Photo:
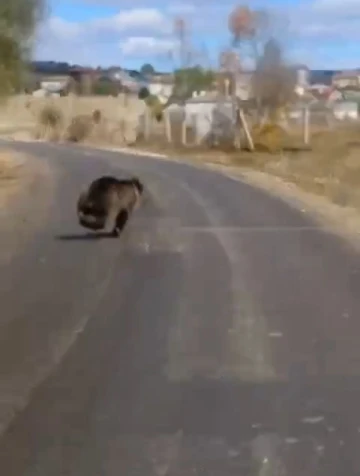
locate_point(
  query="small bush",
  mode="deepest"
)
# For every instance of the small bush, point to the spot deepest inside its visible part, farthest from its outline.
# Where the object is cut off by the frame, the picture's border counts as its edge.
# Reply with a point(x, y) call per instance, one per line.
point(106, 88)
point(79, 129)
point(97, 116)
point(50, 121)
point(50, 116)
point(155, 106)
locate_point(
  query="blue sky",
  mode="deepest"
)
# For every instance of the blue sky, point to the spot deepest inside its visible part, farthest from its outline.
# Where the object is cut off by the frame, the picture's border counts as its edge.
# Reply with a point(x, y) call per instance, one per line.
point(319, 33)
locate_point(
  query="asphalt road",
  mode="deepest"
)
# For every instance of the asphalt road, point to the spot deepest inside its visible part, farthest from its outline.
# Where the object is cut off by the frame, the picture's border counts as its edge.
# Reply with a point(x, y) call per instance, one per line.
point(218, 336)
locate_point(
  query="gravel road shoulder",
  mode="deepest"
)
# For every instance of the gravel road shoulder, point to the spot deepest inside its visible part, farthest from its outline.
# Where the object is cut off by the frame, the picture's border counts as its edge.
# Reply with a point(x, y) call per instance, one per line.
point(343, 221)
point(26, 186)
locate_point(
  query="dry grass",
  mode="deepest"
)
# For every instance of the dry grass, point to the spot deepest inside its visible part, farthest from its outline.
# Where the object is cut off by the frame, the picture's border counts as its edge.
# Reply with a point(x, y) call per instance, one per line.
point(53, 118)
point(12, 176)
point(10, 166)
point(329, 167)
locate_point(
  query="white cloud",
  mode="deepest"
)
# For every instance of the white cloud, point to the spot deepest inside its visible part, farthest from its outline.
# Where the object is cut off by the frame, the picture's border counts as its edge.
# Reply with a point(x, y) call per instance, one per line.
point(339, 31)
point(132, 21)
point(326, 20)
point(104, 39)
point(142, 46)
point(61, 40)
point(62, 29)
point(147, 31)
point(135, 33)
point(137, 19)
point(337, 7)
point(181, 8)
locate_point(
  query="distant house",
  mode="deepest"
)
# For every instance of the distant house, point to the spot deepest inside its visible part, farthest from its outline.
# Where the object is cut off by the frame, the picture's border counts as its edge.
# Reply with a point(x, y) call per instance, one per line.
point(302, 78)
point(242, 81)
point(209, 113)
point(83, 80)
point(335, 95)
point(161, 85)
point(351, 95)
point(322, 76)
point(78, 80)
point(131, 81)
point(302, 75)
point(55, 83)
point(346, 110)
point(243, 86)
point(319, 90)
point(324, 92)
point(347, 79)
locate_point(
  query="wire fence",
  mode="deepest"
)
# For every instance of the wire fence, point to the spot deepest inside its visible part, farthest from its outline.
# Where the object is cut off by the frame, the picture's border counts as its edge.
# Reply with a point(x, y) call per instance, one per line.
point(212, 123)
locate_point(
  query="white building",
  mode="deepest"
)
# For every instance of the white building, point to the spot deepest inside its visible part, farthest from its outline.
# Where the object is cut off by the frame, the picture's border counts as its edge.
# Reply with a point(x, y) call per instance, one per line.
point(161, 86)
point(346, 110)
point(206, 114)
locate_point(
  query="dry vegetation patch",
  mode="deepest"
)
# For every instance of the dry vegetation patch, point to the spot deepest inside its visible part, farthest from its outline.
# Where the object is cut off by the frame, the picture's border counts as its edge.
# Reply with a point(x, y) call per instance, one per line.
point(94, 119)
point(26, 190)
point(329, 166)
point(14, 179)
point(11, 167)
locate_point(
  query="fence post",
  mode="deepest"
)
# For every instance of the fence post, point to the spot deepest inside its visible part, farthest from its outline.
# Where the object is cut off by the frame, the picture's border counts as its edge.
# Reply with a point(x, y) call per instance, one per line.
point(183, 132)
point(167, 122)
point(246, 129)
point(306, 128)
point(125, 100)
point(147, 123)
point(237, 122)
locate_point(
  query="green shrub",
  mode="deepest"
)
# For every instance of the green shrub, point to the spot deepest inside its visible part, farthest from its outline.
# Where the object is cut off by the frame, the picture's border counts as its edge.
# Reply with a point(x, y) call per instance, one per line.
point(143, 93)
point(105, 88)
point(155, 106)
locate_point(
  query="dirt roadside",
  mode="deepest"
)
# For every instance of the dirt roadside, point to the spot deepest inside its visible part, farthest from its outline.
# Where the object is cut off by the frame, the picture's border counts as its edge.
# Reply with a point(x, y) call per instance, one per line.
point(26, 185)
point(344, 221)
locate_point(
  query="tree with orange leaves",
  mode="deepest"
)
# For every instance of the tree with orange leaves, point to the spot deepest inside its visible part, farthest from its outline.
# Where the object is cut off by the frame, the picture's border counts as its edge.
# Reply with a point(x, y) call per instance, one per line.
point(273, 81)
point(246, 25)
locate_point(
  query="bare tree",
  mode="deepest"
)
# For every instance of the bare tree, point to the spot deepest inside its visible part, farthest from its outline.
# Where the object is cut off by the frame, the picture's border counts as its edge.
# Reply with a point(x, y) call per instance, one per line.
point(230, 66)
point(254, 33)
point(273, 81)
point(229, 61)
point(180, 34)
point(189, 73)
point(182, 37)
